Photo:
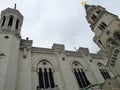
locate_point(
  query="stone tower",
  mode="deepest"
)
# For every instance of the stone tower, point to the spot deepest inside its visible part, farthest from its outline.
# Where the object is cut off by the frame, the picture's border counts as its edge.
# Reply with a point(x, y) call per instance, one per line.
point(10, 26)
point(105, 25)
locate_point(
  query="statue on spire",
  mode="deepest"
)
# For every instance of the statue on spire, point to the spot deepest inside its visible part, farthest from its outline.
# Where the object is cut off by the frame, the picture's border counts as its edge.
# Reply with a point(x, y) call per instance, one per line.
point(83, 3)
point(15, 6)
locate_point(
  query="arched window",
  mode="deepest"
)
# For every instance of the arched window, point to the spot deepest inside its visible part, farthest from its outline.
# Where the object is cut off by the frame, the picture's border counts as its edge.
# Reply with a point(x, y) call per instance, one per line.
point(80, 75)
point(45, 75)
point(103, 71)
point(102, 26)
point(17, 24)
point(4, 19)
point(98, 11)
point(10, 21)
point(93, 17)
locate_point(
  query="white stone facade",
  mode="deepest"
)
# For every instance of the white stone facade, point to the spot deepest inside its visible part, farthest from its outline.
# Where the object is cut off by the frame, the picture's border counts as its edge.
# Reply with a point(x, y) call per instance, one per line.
point(21, 64)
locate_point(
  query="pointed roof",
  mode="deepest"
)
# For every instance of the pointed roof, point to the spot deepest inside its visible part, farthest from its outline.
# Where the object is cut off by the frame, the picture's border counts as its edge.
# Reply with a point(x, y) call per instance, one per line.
point(86, 6)
point(89, 7)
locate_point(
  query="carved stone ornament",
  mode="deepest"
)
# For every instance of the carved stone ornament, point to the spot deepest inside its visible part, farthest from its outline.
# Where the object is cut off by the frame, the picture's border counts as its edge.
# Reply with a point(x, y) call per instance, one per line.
point(14, 33)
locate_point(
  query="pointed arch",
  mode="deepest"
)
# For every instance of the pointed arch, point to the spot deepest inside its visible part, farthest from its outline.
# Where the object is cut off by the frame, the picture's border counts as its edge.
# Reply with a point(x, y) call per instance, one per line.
point(80, 74)
point(103, 70)
point(45, 74)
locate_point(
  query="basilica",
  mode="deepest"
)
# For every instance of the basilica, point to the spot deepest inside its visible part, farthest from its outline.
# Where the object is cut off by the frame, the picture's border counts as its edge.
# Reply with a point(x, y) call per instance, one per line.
point(24, 67)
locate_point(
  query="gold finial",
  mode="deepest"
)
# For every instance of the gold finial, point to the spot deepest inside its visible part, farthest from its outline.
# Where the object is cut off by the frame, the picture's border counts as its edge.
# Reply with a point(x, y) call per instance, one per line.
point(15, 6)
point(83, 3)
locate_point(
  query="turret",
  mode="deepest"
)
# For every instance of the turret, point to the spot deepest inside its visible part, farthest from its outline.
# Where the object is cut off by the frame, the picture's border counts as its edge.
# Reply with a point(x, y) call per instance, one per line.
point(11, 19)
point(10, 27)
point(105, 25)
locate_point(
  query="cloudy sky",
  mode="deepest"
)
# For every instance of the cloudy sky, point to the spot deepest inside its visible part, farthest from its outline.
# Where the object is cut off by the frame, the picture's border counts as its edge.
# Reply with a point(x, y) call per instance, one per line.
point(58, 21)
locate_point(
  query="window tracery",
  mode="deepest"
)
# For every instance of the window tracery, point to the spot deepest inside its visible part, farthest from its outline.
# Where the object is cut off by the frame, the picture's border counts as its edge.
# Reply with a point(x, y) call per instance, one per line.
point(80, 75)
point(45, 75)
point(103, 71)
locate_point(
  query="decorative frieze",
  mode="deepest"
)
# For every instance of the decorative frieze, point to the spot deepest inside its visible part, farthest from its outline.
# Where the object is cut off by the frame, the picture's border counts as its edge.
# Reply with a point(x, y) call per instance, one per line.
point(25, 44)
point(42, 50)
point(10, 32)
point(73, 53)
point(96, 56)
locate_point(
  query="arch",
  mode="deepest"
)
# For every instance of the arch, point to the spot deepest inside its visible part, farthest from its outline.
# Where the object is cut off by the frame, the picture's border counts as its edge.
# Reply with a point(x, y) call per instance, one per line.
point(45, 74)
point(100, 65)
point(76, 64)
point(17, 24)
point(3, 22)
point(38, 60)
point(103, 70)
point(44, 64)
point(10, 20)
point(80, 74)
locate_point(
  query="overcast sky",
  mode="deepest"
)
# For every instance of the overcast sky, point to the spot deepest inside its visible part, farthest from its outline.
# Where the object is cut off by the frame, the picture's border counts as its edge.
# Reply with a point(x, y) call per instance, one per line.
point(58, 21)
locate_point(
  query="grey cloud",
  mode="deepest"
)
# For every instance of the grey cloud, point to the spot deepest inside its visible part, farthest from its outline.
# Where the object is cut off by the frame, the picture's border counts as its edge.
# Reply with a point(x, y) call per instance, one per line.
point(58, 21)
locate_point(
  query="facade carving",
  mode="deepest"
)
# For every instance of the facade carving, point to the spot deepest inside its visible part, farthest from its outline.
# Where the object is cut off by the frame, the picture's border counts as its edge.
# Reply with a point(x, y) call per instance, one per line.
point(8, 32)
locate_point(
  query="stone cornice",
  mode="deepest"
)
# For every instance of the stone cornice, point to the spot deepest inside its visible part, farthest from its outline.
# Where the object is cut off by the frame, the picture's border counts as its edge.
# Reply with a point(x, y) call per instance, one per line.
point(25, 44)
point(42, 50)
point(12, 11)
point(73, 53)
point(10, 32)
point(83, 52)
point(96, 56)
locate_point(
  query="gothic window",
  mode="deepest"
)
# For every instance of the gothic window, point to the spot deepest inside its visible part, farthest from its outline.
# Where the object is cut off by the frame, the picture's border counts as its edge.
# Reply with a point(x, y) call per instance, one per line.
point(17, 24)
point(10, 21)
point(102, 26)
point(80, 75)
point(98, 11)
point(4, 19)
point(117, 35)
point(93, 17)
point(103, 71)
point(45, 75)
point(100, 43)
